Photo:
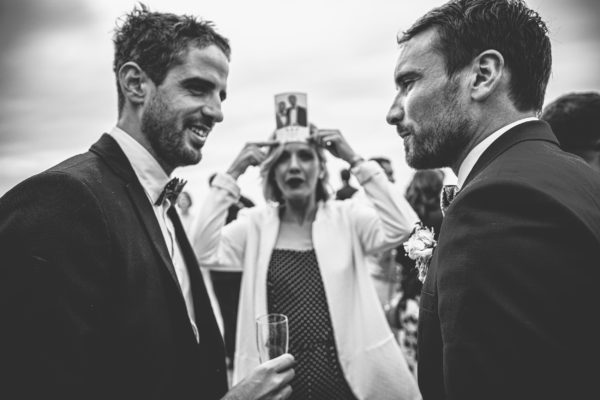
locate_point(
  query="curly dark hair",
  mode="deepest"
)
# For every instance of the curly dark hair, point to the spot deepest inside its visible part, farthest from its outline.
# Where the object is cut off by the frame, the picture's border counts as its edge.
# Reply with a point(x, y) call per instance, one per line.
point(468, 27)
point(158, 41)
point(423, 193)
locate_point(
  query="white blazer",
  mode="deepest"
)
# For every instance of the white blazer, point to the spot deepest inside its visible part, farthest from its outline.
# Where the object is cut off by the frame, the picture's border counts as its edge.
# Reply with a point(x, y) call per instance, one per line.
point(344, 232)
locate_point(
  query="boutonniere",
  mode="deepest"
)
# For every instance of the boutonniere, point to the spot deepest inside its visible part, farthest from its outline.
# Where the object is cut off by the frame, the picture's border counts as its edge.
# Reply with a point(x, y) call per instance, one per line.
point(419, 247)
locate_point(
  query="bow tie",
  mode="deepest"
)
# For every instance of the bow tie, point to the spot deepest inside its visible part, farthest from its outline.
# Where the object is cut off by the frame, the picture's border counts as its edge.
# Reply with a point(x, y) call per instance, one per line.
point(171, 191)
point(448, 194)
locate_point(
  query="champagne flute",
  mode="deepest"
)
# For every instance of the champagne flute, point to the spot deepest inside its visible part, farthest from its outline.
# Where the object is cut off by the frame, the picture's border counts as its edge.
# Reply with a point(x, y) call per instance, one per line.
point(271, 336)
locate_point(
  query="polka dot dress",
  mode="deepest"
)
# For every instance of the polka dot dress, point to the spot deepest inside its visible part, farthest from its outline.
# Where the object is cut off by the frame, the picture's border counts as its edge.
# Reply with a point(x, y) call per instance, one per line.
point(295, 288)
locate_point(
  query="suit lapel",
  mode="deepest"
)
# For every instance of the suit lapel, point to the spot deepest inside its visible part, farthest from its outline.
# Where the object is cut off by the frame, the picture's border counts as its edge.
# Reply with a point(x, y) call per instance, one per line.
point(210, 353)
point(108, 149)
point(533, 130)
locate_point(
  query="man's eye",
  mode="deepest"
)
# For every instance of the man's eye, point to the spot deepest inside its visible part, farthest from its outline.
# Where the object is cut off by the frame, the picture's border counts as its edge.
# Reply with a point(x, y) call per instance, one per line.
point(197, 89)
point(407, 84)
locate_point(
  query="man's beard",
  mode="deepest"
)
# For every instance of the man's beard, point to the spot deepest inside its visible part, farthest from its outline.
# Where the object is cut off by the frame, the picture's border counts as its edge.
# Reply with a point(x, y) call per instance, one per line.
point(441, 140)
point(159, 124)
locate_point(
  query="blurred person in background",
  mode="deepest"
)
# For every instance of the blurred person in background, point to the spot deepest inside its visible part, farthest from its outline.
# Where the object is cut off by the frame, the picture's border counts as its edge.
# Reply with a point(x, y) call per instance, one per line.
point(347, 190)
point(384, 269)
point(423, 194)
point(386, 165)
point(575, 120)
point(184, 205)
point(304, 255)
point(234, 209)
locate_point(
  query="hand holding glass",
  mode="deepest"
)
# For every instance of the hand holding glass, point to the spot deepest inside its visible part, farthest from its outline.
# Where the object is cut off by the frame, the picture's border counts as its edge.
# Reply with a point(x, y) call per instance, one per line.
point(271, 336)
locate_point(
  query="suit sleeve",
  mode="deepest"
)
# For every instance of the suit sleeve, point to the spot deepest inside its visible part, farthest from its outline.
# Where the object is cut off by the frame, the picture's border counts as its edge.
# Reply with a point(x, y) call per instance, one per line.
point(54, 278)
point(385, 219)
point(507, 250)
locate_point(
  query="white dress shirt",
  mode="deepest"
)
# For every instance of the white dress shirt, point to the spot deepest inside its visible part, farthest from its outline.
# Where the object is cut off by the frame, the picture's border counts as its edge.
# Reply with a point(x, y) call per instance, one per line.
point(153, 179)
point(293, 116)
point(474, 155)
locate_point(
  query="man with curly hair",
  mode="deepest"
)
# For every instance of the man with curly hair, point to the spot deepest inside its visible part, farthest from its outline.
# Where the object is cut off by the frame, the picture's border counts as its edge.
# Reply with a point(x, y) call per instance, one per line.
point(102, 296)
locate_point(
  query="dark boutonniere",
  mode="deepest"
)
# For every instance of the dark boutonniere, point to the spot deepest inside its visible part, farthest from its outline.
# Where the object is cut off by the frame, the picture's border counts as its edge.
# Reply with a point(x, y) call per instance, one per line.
point(419, 247)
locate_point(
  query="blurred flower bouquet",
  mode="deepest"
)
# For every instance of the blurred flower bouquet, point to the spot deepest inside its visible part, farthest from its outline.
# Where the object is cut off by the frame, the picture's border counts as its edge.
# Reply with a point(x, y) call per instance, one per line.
point(419, 247)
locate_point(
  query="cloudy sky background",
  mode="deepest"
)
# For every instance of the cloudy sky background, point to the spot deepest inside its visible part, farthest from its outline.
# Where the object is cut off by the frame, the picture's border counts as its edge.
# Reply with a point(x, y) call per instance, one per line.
point(57, 90)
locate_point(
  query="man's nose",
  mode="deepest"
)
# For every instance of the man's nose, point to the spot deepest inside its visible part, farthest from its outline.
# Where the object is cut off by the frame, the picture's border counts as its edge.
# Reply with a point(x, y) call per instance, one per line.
point(213, 110)
point(395, 114)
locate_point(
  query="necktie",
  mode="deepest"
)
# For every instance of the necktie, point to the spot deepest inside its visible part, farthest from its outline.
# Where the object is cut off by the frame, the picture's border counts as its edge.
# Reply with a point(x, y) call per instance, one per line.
point(171, 191)
point(212, 374)
point(448, 194)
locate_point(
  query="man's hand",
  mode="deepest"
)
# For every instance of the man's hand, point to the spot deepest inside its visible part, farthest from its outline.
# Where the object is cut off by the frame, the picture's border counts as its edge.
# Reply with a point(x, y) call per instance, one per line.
point(251, 154)
point(269, 381)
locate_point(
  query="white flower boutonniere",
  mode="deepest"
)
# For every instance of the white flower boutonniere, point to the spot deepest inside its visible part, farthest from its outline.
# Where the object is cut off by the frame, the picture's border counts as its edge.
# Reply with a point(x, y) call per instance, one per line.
point(419, 247)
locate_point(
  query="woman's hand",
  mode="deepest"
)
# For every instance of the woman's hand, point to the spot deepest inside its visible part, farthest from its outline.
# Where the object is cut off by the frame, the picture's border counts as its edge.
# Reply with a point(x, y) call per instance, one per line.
point(251, 154)
point(334, 141)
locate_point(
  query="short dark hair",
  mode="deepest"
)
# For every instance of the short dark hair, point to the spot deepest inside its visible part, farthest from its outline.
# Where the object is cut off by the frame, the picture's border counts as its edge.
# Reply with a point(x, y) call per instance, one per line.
point(158, 41)
point(345, 175)
point(468, 27)
point(575, 119)
point(423, 191)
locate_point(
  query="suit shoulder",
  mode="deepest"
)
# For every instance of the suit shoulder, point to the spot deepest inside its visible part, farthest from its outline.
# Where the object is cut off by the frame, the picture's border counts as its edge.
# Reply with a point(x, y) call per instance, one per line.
point(544, 167)
point(86, 167)
point(506, 198)
point(64, 189)
point(54, 208)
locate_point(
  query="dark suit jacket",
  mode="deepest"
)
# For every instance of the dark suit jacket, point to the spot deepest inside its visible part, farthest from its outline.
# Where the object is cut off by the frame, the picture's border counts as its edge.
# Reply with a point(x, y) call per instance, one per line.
point(509, 308)
point(91, 306)
point(300, 116)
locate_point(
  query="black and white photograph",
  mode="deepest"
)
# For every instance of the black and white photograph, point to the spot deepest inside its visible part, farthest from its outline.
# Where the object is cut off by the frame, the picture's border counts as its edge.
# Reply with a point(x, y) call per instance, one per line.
point(291, 110)
point(175, 223)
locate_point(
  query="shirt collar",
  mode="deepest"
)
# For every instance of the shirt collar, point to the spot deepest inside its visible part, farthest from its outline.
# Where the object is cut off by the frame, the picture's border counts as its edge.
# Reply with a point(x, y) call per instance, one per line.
point(469, 162)
point(148, 171)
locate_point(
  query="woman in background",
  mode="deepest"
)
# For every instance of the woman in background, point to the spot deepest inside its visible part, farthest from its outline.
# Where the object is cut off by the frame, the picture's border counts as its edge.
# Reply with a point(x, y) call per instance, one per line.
point(303, 255)
point(423, 194)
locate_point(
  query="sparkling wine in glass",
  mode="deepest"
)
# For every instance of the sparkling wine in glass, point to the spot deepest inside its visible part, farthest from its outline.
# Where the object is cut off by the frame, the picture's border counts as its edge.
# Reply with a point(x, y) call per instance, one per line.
point(271, 336)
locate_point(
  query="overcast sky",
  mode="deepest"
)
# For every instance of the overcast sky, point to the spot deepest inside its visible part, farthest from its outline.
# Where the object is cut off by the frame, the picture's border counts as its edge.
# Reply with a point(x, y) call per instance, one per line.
point(57, 90)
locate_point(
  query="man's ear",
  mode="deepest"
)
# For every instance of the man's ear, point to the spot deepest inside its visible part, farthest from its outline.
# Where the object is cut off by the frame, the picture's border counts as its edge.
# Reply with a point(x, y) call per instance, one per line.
point(134, 83)
point(487, 73)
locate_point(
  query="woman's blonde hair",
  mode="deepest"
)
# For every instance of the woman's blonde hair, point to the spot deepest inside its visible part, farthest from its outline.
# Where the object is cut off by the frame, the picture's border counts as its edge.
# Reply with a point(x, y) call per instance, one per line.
point(272, 192)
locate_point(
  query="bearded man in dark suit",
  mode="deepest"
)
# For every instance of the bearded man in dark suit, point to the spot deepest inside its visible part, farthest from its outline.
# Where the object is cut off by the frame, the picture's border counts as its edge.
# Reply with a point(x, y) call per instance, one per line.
point(102, 297)
point(509, 302)
point(296, 114)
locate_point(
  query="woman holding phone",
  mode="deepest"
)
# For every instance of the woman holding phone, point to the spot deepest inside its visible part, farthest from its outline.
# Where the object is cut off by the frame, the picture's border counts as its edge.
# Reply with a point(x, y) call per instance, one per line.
point(303, 255)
